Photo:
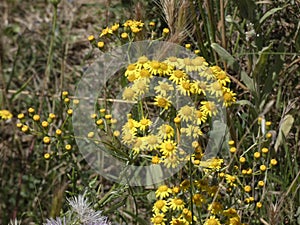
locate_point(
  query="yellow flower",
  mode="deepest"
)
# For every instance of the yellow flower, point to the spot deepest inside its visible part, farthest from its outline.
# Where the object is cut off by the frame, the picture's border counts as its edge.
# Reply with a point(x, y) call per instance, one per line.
point(199, 87)
point(162, 102)
point(168, 147)
point(155, 159)
point(106, 31)
point(5, 114)
point(152, 141)
point(19, 125)
point(247, 188)
point(139, 145)
point(263, 168)
point(100, 44)
point(46, 140)
point(273, 162)
point(184, 87)
point(160, 206)
point(212, 221)
point(209, 108)
point(216, 88)
point(215, 207)
point(115, 27)
point(158, 219)
point(25, 128)
point(232, 149)
point(65, 93)
point(198, 199)
point(140, 86)
point(187, 113)
point(176, 204)
point(70, 111)
point(230, 179)
point(52, 116)
point(128, 94)
point(128, 137)
point(213, 163)
point(163, 191)
point(91, 37)
point(153, 67)
point(259, 205)
point(31, 110)
point(68, 147)
point(144, 123)
point(256, 155)
point(177, 76)
point(242, 159)
point(66, 100)
point(166, 31)
point(264, 150)
point(45, 124)
point(152, 24)
point(58, 132)
point(228, 97)
point(36, 117)
point(163, 88)
point(21, 116)
point(47, 156)
point(124, 35)
point(261, 183)
point(116, 133)
point(192, 131)
point(235, 220)
point(268, 135)
point(171, 161)
point(222, 77)
point(91, 134)
point(165, 131)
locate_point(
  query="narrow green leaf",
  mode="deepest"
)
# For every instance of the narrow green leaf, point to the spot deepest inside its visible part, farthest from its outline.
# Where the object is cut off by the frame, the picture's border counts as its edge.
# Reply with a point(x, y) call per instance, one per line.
point(261, 61)
point(284, 129)
point(225, 55)
point(268, 14)
point(248, 81)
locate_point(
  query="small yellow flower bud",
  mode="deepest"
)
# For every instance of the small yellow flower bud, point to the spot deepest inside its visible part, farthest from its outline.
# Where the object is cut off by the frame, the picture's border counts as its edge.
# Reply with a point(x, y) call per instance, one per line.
point(257, 155)
point(247, 188)
point(231, 142)
point(249, 171)
point(68, 147)
point(273, 162)
point(47, 156)
point(45, 124)
point(19, 125)
point(242, 159)
point(100, 44)
point(124, 35)
point(155, 159)
point(94, 115)
point(65, 93)
point(52, 115)
point(21, 116)
point(91, 37)
point(152, 24)
point(31, 110)
point(261, 183)
point(91, 134)
point(188, 46)
point(116, 133)
point(70, 111)
point(264, 150)
point(263, 168)
point(268, 135)
point(259, 205)
point(108, 116)
point(36, 117)
point(268, 123)
point(46, 140)
point(197, 51)
point(166, 31)
point(66, 100)
point(177, 120)
point(58, 132)
point(232, 149)
point(25, 128)
point(75, 101)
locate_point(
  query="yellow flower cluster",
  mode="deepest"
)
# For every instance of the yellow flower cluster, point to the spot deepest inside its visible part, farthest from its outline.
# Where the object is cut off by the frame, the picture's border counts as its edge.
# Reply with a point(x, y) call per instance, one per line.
point(50, 130)
point(5, 114)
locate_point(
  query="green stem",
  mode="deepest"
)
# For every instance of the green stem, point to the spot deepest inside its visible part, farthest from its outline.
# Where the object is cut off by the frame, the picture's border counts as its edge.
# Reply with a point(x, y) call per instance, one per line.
point(49, 58)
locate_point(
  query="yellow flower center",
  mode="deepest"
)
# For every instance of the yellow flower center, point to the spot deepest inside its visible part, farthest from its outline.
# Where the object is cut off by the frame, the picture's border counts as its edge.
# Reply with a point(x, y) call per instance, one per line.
point(169, 147)
point(144, 122)
point(186, 85)
point(162, 102)
point(187, 61)
point(178, 74)
point(221, 75)
point(160, 204)
point(198, 61)
point(217, 86)
point(131, 67)
point(173, 59)
point(163, 188)
point(155, 65)
point(158, 219)
point(227, 96)
point(167, 129)
point(163, 66)
point(210, 106)
point(143, 59)
point(145, 73)
point(178, 201)
point(152, 140)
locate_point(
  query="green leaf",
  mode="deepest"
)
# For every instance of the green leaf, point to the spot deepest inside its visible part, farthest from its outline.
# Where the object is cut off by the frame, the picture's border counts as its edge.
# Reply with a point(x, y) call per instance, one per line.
point(225, 55)
point(248, 81)
point(284, 129)
point(268, 14)
point(261, 61)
